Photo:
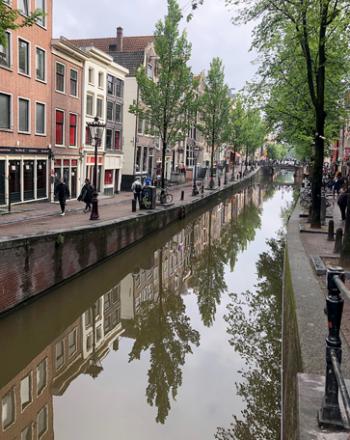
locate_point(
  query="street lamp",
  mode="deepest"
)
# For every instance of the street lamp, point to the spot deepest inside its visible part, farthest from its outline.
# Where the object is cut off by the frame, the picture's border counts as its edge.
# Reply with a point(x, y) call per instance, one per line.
point(96, 132)
point(195, 191)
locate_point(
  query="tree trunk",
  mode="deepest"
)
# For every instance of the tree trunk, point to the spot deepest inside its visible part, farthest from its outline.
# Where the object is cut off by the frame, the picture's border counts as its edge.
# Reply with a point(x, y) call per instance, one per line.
point(162, 193)
point(345, 250)
point(211, 184)
point(316, 185)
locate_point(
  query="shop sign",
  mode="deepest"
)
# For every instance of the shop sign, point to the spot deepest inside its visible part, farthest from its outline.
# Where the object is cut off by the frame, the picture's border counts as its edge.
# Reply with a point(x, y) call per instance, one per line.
point(29, 150)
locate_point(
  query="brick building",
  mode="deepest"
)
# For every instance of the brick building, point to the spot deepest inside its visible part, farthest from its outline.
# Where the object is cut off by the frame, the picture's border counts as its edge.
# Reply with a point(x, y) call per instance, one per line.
point(25, 107)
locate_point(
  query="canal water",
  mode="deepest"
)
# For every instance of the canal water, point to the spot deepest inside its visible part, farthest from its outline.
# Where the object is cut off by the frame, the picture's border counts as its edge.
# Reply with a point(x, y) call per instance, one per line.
point(176, 338)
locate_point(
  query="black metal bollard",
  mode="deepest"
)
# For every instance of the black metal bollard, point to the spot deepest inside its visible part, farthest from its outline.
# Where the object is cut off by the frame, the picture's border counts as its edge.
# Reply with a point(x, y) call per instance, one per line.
point(133, 205)
point(338, 241)
point(202, 189)
point(182, 195)
point(331, 230)
point(329, 414)
point(219, 181)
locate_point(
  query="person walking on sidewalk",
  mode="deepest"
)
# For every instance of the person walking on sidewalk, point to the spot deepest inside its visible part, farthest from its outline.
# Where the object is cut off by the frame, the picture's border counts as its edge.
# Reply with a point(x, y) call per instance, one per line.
point(136, 188)
point(86, 195)
point(62, 193)
point(342, 203)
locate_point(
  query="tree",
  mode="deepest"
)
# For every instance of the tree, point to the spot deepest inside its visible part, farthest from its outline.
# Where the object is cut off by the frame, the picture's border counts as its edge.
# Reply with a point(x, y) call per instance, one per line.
point(168, 101)
point(276, 151)
point(253, 132)
point(11, 19)
point(214, 107)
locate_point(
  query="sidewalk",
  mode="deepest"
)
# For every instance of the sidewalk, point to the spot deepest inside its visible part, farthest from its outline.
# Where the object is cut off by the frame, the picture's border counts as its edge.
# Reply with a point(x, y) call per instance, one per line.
point(31, 219)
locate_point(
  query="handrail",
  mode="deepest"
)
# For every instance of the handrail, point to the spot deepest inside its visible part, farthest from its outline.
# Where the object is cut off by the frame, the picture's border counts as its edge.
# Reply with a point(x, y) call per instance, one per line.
point(330, 414)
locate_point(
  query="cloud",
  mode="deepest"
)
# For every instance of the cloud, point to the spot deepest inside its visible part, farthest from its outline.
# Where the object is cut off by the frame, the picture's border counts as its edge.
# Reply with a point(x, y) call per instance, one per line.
point(210, 31)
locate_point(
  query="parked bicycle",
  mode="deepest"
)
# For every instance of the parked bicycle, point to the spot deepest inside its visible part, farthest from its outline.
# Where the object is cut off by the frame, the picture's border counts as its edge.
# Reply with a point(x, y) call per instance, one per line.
point(165, 195)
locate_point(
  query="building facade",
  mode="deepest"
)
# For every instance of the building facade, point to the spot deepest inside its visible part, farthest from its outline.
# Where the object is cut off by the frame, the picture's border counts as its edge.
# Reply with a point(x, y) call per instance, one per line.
point(25, 107)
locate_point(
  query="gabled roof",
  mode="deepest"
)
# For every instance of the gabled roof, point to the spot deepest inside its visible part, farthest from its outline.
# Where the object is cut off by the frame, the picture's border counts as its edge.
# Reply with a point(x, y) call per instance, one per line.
point(131, 60)
point(130, 44)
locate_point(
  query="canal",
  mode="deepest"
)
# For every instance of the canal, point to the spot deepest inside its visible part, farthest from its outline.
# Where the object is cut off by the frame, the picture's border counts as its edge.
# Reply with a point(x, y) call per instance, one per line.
point(176, 338)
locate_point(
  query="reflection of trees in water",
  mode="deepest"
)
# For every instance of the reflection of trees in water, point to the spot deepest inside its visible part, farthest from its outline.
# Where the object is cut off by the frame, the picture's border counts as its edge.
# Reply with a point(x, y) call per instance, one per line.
point(254, 323)
point(163, 328)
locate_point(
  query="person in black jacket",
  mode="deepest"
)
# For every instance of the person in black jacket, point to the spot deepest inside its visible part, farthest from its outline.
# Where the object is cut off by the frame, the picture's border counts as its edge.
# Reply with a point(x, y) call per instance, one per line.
point(342, 203)
point(62, 193)
point(86, 195)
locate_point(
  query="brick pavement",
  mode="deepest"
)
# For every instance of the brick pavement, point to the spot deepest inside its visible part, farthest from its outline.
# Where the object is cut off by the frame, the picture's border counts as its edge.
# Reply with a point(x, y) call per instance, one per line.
point(31, 219)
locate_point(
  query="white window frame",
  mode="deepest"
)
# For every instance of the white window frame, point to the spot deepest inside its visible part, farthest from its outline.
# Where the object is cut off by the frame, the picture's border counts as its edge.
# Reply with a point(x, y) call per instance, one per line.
point(75, 331)
point(100, 98)
point(42, 25)
point(100, 75)
point(23, 408)
point(64, 127)
point(64, 78)
point(77, 72)
point(9, 67)
point(45, 65)
point(39, 393)
point(29, 9)
point(12, 390)
point(93, 104)
point(92, 70)
point(47, 421)
point(28, 75)
point(44, 104)
point(11, 111)
point(29, 115)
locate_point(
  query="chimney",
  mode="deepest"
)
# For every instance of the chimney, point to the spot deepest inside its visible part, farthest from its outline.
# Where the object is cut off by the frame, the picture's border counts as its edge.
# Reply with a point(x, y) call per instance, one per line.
point(119, 39)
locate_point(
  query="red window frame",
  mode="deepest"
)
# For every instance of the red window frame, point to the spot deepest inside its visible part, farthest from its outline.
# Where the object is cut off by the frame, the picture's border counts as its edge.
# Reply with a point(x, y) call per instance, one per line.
point(59, 127)
point(73, 122)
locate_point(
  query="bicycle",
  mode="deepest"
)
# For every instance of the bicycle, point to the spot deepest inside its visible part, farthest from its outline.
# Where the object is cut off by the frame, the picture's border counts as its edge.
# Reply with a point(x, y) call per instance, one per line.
point(164, 196)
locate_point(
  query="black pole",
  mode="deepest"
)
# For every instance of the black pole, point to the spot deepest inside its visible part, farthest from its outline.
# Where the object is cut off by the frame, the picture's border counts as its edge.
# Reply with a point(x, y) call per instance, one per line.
point(329, 414)
point(94, 211)
point(195, 191)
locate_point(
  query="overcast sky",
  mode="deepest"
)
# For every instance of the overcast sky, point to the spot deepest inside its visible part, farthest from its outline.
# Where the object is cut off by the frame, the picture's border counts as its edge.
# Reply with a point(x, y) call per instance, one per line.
point(210, 32)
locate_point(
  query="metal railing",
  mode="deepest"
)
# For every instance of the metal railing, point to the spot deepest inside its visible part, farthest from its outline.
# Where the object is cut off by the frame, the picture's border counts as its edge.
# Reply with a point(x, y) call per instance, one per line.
point(330, 414)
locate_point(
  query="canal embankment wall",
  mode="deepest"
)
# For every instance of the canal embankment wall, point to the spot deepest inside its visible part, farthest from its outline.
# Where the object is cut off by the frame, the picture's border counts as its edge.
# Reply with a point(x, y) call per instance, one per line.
point(304, 333)
point(31, 265)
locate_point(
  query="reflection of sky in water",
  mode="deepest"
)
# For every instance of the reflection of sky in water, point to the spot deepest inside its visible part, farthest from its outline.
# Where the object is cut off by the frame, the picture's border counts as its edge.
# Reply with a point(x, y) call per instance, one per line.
point(114, 406)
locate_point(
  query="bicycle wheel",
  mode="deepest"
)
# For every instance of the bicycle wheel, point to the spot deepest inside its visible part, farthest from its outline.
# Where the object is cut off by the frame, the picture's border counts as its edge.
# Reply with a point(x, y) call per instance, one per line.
point(169, 198)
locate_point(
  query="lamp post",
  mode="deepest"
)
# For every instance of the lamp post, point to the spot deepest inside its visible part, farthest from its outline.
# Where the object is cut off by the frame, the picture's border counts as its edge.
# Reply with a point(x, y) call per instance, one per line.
point(96, 132)
point(195, 191)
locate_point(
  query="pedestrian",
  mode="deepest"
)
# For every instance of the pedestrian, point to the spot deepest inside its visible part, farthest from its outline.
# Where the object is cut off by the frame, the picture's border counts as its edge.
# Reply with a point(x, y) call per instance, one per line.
point(62, 193)
point(136, 188)
point(86, 195)
point(338, 182)
point(342, 203)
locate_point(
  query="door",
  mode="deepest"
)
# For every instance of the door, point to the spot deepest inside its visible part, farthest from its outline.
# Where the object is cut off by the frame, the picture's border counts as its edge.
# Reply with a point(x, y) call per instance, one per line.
point(116, 181)
point(41, 179)
point(28, 179)
point(74, 183)
point(2, 182)
point(15, 180)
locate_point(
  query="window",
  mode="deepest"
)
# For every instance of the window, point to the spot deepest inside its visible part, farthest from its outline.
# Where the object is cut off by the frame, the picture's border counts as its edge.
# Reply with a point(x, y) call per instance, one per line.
point(140, 126)
point(59, 355)
point(8, 409)
point(119, 87)
point(27, 433)
point(110, 111)
point(39, 118)
point(109, 138)
point(117, 140)
point(99, 109)
point(26, 391)
point(87, 136)
point(100, 80)
point(42, 422)
point(72, 342)
point(89, 342)
point(5, 111)
point(73, 130)
point(145, 156)
point(41, 376)
point(23, 57)
point(89, 105)
point(40, 4)
point(150, 71)
point(60, 72)
point(73, 82)
point(5, 51)
point(110, 84)
point(23, 115)
point(91, 75)
point(118, 113)
point(98, 333)
point(40, 64)
point(23, 7)
point(59, 127)
point(138, 158)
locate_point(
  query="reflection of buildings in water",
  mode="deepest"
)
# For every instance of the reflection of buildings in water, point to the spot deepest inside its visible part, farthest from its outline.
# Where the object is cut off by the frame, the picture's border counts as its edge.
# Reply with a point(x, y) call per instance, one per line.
point(26, 402)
